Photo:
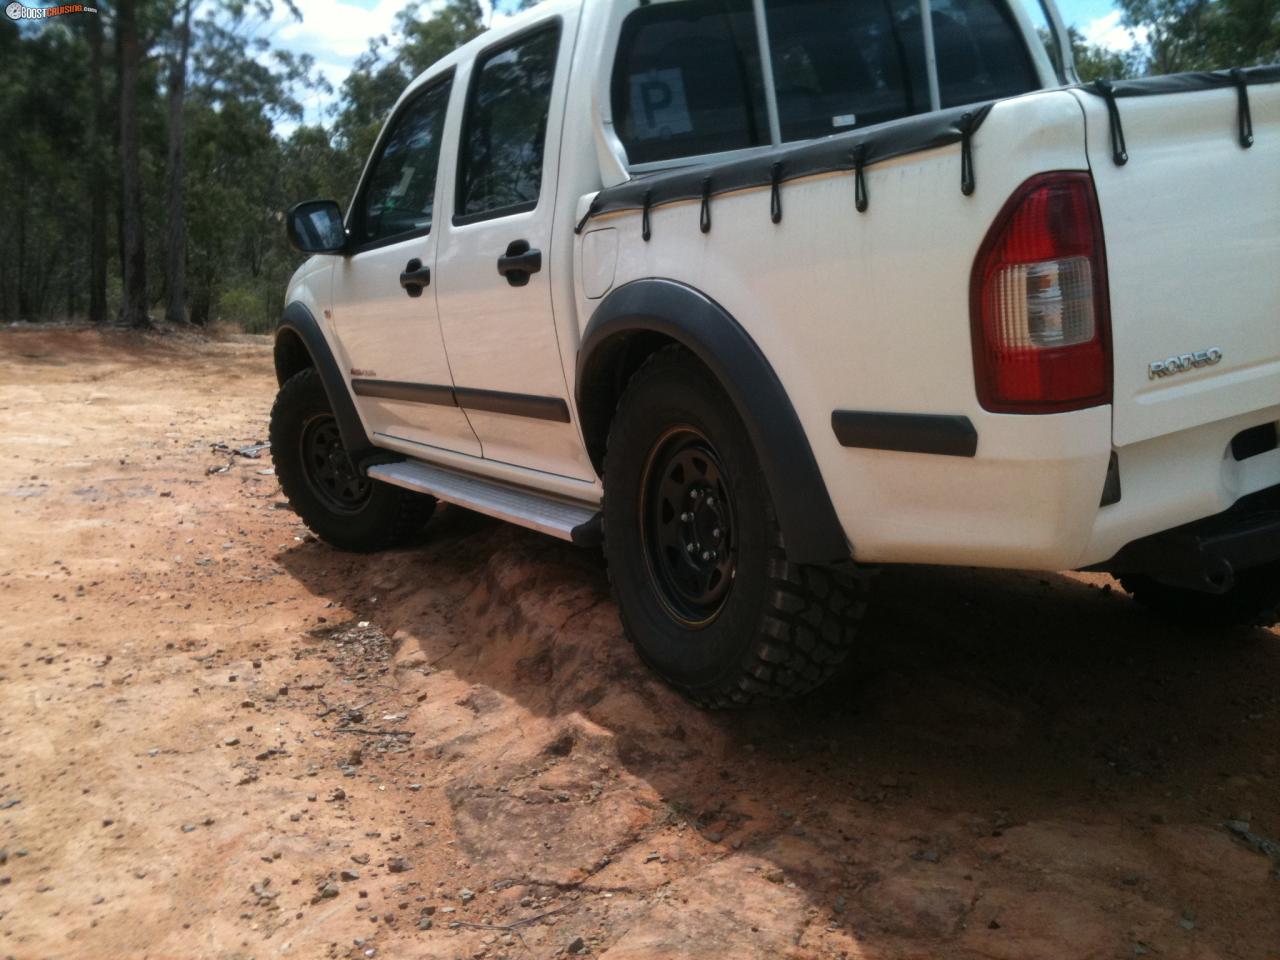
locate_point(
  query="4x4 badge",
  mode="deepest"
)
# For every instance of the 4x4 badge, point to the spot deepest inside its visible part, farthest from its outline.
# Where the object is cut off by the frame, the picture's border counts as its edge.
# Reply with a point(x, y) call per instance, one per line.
point(1183, 363)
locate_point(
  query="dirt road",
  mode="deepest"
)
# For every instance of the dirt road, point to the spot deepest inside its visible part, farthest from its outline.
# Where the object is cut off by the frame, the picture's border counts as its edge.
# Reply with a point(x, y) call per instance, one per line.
point(220, 738)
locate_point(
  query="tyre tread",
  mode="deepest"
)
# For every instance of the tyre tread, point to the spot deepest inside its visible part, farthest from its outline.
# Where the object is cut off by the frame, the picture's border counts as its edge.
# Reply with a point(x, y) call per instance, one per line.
point(403, 512)
point(810, 621)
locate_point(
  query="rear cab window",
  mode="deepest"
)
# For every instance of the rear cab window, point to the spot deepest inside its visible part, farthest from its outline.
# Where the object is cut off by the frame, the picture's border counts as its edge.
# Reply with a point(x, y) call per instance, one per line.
point(688, 77)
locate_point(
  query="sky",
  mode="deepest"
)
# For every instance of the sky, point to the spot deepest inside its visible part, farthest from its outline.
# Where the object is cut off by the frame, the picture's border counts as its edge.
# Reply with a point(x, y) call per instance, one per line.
point(335, 32)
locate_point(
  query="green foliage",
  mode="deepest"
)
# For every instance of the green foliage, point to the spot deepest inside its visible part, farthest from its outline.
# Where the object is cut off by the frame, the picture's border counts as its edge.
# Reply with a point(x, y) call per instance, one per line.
point(1100, 63)
point(1204, 34)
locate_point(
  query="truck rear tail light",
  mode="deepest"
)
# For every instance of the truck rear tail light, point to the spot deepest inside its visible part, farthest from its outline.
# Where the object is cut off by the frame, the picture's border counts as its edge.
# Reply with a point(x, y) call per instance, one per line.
point(1041, 334)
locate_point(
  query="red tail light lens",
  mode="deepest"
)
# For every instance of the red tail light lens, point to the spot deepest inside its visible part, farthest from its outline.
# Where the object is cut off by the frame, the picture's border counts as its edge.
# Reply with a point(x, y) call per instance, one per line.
point(1041, 334)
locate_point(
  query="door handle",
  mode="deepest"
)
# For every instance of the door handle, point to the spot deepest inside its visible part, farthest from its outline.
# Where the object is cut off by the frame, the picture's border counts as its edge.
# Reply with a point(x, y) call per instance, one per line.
point(519, 263)
point(415, 277)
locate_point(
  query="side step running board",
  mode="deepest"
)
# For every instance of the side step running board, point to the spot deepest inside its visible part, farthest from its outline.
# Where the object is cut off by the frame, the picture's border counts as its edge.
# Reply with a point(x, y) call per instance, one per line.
point(578, 523)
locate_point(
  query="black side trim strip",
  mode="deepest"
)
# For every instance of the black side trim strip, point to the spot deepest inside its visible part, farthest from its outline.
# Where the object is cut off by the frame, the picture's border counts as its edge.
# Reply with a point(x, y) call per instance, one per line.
point(514, 404)
point(491, 401)
point(406, 392)
point(945, 435)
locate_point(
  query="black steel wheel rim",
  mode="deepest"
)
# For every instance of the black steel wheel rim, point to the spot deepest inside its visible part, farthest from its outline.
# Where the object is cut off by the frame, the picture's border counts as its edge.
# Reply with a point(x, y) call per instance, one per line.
point(330, 474)
point(687, 527)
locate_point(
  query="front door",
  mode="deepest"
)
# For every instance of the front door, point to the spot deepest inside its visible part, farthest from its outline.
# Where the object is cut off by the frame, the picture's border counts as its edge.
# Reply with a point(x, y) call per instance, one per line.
point(494, 262)
point(384, 294)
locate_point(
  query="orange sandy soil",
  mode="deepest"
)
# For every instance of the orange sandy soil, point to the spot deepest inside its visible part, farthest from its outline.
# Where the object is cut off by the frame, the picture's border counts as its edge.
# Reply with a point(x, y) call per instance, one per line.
point(206, 717)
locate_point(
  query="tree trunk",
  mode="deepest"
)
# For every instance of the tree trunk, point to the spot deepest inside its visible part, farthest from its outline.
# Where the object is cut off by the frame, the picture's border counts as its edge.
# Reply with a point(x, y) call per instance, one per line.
point(97, 182)
point(175, 263)
point(133, 241)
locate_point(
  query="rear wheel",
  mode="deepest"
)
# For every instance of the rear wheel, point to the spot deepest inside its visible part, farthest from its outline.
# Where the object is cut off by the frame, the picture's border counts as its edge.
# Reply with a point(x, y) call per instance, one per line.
point(1253, 601)
point(330, 493)
point(696, 558)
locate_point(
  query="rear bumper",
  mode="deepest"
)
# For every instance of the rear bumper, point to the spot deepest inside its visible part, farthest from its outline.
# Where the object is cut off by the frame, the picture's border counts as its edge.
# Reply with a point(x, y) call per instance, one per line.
point(1207, 554)
point(1035, 495)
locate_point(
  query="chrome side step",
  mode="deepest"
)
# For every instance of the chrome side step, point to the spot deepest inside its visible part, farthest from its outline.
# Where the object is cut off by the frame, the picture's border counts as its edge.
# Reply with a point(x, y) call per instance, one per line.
point(576, 522)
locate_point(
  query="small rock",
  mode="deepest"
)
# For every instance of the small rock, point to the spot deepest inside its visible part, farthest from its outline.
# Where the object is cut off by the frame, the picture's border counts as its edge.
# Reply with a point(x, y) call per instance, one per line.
point(188, 828)
point(425, 923)
point(578, 946)
point(348, 875)
point(465, 895)
point(399, 865)
point(360, 858)
point(329, 890)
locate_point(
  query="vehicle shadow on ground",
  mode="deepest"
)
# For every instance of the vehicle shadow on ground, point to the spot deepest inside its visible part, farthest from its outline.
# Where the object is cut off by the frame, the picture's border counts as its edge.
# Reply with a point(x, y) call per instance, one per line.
point(987, 722)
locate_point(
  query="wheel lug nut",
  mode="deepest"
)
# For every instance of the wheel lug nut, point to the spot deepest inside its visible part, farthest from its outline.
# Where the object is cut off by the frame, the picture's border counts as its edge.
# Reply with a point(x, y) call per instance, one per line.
point(706, 555)
point(711, 501)
point(715, 532)
point(686, 516)
point(691, 547)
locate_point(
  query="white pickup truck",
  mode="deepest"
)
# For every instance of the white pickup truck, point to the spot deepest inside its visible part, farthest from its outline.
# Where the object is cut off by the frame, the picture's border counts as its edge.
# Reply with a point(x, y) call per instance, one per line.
point(763, 294)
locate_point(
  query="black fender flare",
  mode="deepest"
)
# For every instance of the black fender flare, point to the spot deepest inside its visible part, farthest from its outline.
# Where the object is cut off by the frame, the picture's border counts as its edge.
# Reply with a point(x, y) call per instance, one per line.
point(654, 311)
point(298, 331)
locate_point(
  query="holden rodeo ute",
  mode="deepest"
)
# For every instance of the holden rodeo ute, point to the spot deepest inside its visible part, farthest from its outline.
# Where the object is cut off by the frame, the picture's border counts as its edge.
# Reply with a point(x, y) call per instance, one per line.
point(761, 294)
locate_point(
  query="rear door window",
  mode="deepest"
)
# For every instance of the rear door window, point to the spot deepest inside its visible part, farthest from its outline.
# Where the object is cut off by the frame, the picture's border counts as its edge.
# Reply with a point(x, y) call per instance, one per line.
point(839, 65)
point(981, 53)
point(505, 130)
point(687, 81)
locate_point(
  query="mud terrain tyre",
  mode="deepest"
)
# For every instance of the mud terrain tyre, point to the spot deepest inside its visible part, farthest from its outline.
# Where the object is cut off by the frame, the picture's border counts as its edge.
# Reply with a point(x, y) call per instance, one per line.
point(695, 555)
point(336, 501)
point(1254, 600)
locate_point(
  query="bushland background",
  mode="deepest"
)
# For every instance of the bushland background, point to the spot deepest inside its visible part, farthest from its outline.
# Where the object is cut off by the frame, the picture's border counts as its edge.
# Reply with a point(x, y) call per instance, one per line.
point(148, 153)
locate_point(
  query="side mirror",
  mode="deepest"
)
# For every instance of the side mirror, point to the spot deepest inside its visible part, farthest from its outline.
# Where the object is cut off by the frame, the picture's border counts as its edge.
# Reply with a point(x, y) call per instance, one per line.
point(316, 227)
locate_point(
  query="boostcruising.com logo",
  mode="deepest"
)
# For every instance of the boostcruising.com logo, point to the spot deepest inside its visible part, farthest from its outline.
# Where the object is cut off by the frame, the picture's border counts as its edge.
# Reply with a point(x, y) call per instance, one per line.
point(18, 11)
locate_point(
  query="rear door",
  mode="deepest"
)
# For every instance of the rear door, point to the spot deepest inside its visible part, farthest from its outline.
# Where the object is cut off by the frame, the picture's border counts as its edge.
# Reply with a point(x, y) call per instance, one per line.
point(384, 295)
point(1192, 229)
point(495, 262)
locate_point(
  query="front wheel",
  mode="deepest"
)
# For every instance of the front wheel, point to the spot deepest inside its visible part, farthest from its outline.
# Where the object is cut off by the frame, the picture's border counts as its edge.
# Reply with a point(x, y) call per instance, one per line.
point(696, 558)
point(333, 497)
